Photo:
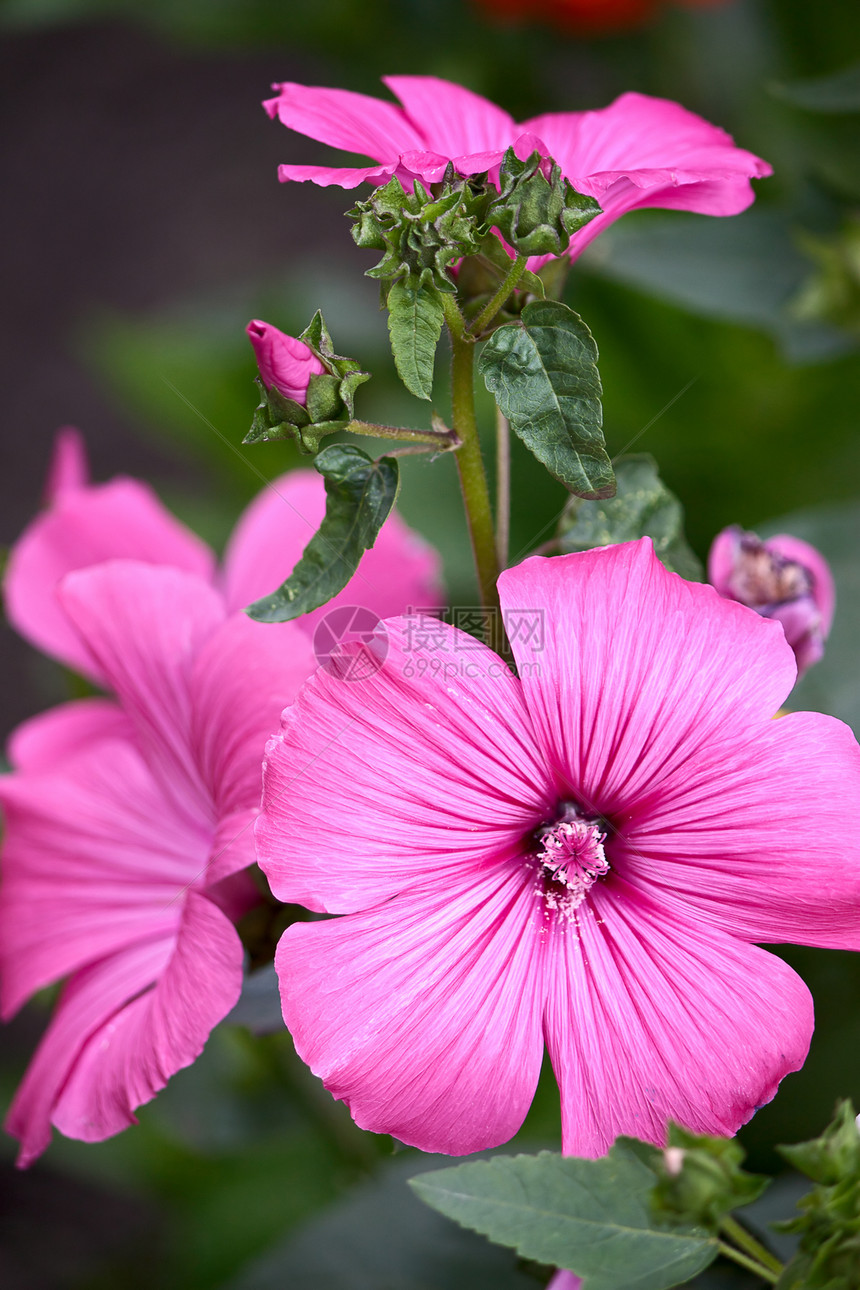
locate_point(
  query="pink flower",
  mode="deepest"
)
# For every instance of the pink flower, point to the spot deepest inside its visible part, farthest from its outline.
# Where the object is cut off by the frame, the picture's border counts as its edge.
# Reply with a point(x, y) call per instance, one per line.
point(782, 578)
point(128, 819)
point(286, 364)
point(583, 857)
point(639, 151)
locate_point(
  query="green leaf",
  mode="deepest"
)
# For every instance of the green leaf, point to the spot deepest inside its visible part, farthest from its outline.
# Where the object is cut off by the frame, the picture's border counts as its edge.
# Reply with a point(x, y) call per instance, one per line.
point(746, 270)
point(415, 318)
point(591, 1216)
point(543, 373)
point(360, 493)
point(839, 92)
point(642, 507)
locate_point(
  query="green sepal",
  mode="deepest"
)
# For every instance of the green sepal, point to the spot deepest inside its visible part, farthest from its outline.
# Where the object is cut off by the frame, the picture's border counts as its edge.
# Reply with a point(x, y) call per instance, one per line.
point(833, 1156)
point(421, 234)
point(642, 507)
point(700, 1179)
point(591, 1216)
point(360, 493)
point(329, 402)
point(543, 373)
point(535, 213)
point(829, 1222)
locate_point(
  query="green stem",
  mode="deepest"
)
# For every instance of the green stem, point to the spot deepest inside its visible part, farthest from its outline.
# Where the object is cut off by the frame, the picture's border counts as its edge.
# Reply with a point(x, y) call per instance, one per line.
point(509, 284)
point(439, 439)
point(503, 488)
point(470, 462)
point(736, 1232)
point(752, 1265)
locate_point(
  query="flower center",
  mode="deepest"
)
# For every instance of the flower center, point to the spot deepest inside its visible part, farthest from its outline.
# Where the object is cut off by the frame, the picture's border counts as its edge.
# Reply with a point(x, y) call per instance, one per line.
point(571, 858)
point(761, 577)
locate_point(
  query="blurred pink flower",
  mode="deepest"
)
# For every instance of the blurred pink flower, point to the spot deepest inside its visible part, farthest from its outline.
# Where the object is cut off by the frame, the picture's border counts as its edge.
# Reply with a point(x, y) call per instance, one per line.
point(782, 578)
point(584, 857)
point(128, 819)
point(639, 151)
point(285, 363)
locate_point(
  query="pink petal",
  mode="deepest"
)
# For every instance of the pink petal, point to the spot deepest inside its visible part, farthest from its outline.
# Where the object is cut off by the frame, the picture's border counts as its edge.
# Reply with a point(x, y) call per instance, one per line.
point(337, 176)
point(651, 1017)
point(285, 362)
point(442, 772)
point(400, 572)
point(564, 1280)
point(451, 119)
point(45, 742)
point(243, 677)
point(143, 626)
point(759, 833)
point(69, 469)
point(640, 133)
point(638, 671)
point(344, 119)
point(94, 858)
point(823, 588)
point(423, 1015)
point(124, 1026)
point(722, 558)
point(84, 527)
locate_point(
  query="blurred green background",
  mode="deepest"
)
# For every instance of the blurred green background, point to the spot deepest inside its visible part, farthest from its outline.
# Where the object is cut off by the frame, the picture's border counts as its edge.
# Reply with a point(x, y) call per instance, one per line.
point(144, 226)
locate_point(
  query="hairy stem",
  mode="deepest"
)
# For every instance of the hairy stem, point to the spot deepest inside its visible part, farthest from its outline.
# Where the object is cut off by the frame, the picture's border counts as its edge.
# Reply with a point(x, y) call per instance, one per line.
point(439, 439)
point(470, 462)
point(503, 488)
point(736, 1232)
point(752, 1265)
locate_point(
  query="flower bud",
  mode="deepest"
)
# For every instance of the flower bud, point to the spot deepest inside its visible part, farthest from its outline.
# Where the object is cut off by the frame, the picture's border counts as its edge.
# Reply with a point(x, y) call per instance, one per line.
point(285, 364)
point(782, 578)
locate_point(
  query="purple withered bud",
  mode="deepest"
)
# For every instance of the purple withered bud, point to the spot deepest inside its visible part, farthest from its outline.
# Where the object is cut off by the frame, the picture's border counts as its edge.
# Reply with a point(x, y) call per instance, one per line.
point(783, 578)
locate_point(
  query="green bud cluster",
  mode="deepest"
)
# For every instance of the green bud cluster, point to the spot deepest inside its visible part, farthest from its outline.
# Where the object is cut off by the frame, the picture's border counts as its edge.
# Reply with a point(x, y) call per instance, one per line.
point(328, 403)
point(829, 1222)
point(700, 1179)
point(537, 213)
point(421, 234)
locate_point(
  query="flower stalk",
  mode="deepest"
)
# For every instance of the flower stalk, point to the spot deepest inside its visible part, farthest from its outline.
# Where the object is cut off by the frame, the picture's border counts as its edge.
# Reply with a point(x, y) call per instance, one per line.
point(508, 286)
point(735, 1231)
point(470, 461)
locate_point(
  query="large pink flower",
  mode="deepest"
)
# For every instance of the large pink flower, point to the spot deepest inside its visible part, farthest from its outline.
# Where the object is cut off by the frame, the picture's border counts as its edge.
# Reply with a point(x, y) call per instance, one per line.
point(639, 151)
point(128, 819)
point(582, 858)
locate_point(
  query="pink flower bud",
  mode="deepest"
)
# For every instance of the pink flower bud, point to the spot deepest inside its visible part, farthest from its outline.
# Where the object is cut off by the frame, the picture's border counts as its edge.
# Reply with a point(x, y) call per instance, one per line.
point(285, 364)
point(782, 578)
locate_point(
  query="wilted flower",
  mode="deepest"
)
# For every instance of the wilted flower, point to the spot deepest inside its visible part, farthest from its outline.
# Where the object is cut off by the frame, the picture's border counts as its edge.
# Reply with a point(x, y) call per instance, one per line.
point(286, 364)
point(128, 820)
point(782, 578)
point(584, 857)
point(639, 151)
